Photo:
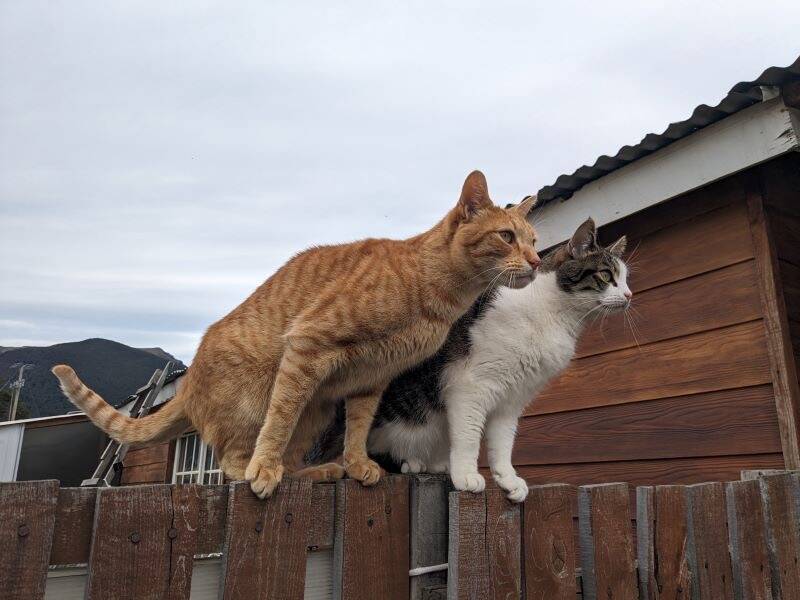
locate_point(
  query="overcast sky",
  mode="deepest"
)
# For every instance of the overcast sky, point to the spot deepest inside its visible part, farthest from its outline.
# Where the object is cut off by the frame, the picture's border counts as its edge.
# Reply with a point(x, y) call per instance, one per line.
point(159, 160)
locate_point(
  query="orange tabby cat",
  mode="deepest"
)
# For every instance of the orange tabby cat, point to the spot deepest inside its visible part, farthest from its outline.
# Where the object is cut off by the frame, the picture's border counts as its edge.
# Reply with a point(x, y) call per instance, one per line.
point(334, 322)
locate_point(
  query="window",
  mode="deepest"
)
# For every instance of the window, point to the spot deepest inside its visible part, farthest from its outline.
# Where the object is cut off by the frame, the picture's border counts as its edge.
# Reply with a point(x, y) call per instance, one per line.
point(195, 462)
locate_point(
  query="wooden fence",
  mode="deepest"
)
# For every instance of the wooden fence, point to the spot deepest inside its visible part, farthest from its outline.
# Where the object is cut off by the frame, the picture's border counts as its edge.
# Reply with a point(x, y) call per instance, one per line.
point(405, 538)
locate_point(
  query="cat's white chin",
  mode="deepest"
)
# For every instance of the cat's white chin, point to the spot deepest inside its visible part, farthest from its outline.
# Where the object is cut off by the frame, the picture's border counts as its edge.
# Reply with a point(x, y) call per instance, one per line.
point(517, 282)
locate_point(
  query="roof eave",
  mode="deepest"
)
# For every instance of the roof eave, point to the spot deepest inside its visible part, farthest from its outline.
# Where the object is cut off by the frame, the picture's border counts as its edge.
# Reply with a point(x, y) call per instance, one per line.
point(751, 136)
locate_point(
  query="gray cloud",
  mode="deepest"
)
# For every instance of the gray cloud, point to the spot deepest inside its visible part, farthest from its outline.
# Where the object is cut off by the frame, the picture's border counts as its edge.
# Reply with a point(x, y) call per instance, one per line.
point(157, 162)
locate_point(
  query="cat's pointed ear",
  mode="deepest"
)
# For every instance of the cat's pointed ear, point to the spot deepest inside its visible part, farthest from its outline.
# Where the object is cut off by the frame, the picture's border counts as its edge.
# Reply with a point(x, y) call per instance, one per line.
point(584, 239)
point(474, 196)
point(618, 247)
point(526, 206)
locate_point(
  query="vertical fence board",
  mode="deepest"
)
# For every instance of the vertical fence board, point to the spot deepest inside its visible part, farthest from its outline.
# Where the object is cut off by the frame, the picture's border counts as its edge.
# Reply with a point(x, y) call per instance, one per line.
point(265, 542)
point(709, 561)
point(213, 510)
point(428, 531)
point(503, 537)
point(72, 539)
point(662, 534)
point(467, 563)
point(371, 547)
point(549, 544)
point(606, 539)
point(781, 498)
point(27, 520)
point(645, 542)
point(143, 542)
point(186, 501)
point(323, 510)
point(752, 578)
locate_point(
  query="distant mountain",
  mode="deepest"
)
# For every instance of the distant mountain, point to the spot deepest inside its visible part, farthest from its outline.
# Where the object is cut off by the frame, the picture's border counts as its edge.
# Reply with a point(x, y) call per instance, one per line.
point(111, 369)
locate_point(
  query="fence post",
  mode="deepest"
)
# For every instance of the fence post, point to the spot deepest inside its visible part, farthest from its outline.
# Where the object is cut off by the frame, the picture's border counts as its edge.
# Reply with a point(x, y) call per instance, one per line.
point(143, 543)
point(549, 543)
point(606, 538)
point(709, 561)
point(662, 542)
point(370, 553)
point(752, 578)
point(429, 534)
point(484, 549)
point(27, 519)
point(265, 542)
point(781, 498)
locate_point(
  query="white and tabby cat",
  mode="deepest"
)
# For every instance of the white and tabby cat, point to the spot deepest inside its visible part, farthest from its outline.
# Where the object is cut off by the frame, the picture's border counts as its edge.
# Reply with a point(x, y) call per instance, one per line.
point(496, 359)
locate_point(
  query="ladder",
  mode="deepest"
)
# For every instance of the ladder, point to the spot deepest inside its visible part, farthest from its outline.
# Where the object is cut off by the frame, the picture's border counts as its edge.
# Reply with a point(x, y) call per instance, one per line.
point(108, 470)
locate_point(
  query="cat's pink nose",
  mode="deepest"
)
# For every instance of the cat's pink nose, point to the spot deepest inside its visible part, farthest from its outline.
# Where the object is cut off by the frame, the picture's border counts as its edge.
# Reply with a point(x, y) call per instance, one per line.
point(628, 294)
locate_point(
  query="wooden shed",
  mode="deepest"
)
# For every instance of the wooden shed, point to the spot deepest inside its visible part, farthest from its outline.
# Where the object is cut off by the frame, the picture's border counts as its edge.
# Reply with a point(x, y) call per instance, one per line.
point(704, 383)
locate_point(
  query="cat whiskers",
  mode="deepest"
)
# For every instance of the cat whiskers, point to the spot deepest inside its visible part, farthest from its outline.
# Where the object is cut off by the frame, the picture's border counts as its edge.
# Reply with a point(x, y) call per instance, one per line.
point(630, 263)
point(536, 218)
point(478, 275)
point(629, 314)
point(590, 311)
point(492, 282)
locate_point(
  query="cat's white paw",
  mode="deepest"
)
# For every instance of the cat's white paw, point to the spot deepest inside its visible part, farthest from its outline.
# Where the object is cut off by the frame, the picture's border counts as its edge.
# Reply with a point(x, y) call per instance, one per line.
point(440, 467)
point(412, 465)
point(516, 488)
point(469, 482)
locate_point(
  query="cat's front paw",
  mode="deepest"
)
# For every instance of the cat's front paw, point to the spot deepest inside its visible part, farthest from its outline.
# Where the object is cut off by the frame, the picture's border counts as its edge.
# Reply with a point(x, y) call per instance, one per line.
point(469, 482)
point(440, 467)
point(412, 465)
point(263, 476)
point(364, 470)
point(516, 488)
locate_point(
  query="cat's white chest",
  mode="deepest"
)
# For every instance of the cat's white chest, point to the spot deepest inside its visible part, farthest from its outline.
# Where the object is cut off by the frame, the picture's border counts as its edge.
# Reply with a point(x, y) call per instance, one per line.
point(519, 346)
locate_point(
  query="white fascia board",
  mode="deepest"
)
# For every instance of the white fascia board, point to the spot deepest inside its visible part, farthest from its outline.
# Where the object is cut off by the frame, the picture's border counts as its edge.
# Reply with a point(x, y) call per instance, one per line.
point(747, 138)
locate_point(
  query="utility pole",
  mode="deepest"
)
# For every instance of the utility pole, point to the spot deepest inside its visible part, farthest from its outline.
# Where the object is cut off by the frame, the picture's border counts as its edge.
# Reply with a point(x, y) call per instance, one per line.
point(17, 387)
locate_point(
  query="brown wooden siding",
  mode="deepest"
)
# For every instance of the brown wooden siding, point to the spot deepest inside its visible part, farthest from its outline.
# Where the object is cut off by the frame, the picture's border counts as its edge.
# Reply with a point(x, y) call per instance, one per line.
point(151, 464)
point(684, 394)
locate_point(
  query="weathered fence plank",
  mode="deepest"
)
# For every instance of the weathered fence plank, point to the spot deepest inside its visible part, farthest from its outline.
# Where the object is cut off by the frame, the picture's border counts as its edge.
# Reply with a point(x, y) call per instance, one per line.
point(467, 562)
point(371, 546)
point(323, 511)
point(781, 497)
point(709, 561)
point(143, 543)
point(72, 539)
point(213, 508)
point(27, 520)
point(265, 543)
point(484, 549)
point(661, 523)
point(503, 537)
point(548, 543)
point(752, 577)
point(606, 539)
point(428, 497)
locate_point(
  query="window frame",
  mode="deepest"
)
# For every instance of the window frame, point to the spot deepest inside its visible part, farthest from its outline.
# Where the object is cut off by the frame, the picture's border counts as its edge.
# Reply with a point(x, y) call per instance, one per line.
point(199, 472)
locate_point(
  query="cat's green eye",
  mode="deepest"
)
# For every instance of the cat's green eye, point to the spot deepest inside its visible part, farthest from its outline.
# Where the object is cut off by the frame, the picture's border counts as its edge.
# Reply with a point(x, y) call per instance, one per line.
point(605, 276)
point(508, 236)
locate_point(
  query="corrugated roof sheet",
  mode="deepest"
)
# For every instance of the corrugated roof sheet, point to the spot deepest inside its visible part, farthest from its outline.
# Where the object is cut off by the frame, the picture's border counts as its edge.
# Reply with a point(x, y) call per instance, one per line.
point(741, 95)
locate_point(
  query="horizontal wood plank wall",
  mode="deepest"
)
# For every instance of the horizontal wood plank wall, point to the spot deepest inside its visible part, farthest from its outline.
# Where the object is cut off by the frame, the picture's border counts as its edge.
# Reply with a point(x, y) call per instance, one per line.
point(685, 394)
point(151, 464)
